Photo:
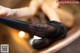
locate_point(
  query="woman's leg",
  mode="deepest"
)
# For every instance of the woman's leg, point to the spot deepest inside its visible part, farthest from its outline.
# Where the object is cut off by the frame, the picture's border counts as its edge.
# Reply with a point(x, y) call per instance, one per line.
point(65, 17)
point(58, 15)
point(51, 31)
point(50, 13)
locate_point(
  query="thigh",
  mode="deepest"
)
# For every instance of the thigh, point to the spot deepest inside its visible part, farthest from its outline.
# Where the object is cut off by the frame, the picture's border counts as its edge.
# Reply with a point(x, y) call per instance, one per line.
point(57, 14)
point(65, 17)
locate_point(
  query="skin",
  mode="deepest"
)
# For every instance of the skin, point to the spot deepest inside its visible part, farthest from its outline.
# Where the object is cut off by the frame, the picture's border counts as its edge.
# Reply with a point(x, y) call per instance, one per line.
point(50, 8)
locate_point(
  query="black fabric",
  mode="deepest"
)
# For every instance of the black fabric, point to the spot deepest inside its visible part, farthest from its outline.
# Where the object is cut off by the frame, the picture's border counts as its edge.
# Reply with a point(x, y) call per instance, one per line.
point(49, 32)
point(59, 33)
point(42, 43)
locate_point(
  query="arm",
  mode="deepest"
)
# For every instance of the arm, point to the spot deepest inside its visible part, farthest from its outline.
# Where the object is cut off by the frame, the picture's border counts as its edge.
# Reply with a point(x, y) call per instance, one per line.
point(20, 12)
point(27, 11)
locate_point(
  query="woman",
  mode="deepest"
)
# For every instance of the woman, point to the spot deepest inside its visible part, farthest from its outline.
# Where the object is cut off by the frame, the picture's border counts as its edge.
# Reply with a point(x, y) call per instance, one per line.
point(48, 7)
point(49, 32)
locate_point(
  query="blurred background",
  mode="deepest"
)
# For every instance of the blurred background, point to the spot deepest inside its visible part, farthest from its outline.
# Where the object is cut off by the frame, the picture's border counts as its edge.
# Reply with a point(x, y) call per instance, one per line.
point(19, 40)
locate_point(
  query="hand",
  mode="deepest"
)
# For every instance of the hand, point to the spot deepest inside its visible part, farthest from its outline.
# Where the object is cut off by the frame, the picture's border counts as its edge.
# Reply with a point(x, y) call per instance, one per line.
point(6, 12)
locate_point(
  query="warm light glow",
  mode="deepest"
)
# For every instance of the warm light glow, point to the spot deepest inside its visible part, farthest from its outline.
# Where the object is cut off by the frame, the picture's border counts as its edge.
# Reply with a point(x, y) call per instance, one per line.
point(21, 34)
